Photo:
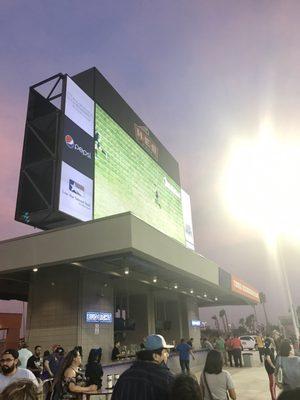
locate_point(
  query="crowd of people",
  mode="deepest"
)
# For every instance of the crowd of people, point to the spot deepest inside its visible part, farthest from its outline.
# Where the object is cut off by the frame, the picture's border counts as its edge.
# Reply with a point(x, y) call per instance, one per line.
point(23, 374)
point(56, 376)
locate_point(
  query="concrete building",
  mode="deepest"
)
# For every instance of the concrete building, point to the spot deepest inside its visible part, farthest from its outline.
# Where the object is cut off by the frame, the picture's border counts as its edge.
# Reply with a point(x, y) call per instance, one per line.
point(83, 268)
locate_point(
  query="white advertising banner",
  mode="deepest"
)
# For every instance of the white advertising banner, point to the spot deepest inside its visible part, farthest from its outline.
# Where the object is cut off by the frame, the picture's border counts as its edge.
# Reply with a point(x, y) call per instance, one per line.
point(79, 107)
point(76, 193)
point(187, 220)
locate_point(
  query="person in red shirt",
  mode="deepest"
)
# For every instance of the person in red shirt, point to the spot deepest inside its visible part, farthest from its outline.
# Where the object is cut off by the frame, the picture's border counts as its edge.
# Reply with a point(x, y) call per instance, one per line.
point(228, 348)
point(236, 346)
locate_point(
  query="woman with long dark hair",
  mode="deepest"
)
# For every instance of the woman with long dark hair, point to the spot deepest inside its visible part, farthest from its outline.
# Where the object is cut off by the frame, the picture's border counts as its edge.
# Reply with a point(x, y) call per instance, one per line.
point(69, 383)
point(269, 357)
point(214, 382)
point(93, 370)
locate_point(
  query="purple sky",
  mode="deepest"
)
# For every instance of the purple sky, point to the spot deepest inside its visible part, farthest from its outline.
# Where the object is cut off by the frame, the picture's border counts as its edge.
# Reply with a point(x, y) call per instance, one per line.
point(198, 73)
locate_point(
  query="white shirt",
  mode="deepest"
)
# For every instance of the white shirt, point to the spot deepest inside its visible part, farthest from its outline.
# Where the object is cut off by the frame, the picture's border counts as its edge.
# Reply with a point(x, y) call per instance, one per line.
point(24, 355)
point(21, 373)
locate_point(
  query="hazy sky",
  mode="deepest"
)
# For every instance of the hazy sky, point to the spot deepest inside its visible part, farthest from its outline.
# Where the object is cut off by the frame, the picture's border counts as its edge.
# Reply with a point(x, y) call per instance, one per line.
point(199, 73)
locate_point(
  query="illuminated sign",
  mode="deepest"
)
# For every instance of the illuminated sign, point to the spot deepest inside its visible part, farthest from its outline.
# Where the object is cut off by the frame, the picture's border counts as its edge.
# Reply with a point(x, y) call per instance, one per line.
point(187, 219)
point(99, 317)
point(76, 193)
point(143, 137)
point(240, 287)
point(79, 107)
point(199, 324)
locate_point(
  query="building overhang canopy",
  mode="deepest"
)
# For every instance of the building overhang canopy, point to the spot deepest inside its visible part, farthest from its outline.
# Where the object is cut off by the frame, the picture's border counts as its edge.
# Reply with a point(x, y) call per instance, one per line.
point(109, 245)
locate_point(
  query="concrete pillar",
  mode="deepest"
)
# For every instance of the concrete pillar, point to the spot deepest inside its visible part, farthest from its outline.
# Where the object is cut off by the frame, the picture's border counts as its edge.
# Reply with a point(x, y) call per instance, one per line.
point(53, 308)
point(137, 312)
point(96, 295)
point(193, 314)
point(151, 312)
point(58, 301)
point(183, 316)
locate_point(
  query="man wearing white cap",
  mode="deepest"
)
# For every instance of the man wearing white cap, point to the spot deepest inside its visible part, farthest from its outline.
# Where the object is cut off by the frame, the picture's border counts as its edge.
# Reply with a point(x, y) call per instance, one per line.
point(148, 378)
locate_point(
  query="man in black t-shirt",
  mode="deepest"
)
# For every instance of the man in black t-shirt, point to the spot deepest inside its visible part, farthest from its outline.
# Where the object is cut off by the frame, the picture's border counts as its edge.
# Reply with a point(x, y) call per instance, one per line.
point(115, 354)
point(35, 362)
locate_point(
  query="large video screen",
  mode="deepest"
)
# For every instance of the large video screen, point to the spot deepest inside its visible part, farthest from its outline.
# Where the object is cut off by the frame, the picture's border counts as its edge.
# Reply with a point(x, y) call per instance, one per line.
point(91, 156)
point(126, 178)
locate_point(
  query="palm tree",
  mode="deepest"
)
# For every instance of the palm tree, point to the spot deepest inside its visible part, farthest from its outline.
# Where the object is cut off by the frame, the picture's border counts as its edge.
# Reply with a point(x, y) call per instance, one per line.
point(298, 315)
point(223, 316)
point(262, 299)
point(250, 322)
point(255, 318)
point(215, 318)
point(227, 325)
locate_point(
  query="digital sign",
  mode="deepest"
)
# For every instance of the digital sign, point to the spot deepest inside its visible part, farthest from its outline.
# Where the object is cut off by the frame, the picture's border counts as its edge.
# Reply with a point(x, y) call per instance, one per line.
point(91, 156)
point(79, 107)
point(199, 324)
point(98, 317)
point(241, 287)
point(77, 154)
point(128, 179)
point(76, 193)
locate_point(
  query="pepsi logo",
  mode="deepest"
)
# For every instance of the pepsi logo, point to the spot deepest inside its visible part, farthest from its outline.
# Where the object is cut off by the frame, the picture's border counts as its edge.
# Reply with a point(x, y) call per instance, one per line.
point(69, 141)
point(75, 146)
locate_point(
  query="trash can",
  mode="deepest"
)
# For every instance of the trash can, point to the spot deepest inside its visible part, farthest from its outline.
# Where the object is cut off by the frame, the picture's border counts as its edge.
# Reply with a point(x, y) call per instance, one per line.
point(247, 361)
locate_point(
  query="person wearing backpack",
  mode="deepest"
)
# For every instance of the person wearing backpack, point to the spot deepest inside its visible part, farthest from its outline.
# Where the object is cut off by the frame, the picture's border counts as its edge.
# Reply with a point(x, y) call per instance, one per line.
point(268, 353)
point(215, 383)
point(287, 369)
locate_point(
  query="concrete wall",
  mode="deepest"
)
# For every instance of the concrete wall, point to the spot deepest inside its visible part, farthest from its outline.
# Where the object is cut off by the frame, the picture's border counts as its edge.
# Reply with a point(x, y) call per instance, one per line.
point(58, 301)
point(139, 312)
point(60, 297)
point(53, 308)
point(96, 294)
point(193, 314)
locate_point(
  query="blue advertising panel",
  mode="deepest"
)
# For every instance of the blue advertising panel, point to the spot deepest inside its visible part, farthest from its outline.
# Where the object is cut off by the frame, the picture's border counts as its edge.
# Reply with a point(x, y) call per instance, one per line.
point(99, 317)
point(199, 324)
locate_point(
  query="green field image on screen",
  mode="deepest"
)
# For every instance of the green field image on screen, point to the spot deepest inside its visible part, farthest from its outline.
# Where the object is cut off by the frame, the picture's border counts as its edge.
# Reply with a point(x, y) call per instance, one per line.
point(128, 179)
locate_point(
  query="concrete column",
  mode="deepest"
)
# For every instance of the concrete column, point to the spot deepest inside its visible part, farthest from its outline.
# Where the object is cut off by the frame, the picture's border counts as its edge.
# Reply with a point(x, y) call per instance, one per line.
point(58, 302)
point(53, 308)
point(151, 312)
point(96, 295)
point(183, 316)
point(193, 314)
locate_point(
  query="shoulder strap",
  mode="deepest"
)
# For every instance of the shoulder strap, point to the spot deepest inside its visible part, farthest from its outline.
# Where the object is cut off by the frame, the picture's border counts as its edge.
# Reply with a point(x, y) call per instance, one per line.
point(206, 384)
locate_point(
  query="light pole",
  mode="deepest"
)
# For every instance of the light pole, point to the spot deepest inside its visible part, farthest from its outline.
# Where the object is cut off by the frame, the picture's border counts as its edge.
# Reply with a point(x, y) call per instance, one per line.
point(289, 296)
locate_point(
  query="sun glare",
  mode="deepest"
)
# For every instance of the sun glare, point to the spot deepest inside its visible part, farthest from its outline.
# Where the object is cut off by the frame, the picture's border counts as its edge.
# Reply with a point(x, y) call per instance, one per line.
point(260, 183)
